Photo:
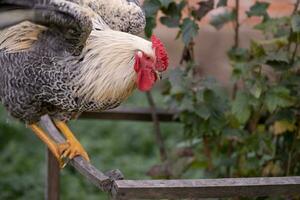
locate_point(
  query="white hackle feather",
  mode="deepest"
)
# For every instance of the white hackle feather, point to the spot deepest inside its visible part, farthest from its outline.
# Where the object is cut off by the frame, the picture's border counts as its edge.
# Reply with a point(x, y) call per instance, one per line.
point(107, 71)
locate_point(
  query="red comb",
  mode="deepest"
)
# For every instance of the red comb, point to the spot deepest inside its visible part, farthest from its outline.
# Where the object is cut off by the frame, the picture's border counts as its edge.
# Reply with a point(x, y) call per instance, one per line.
point(162, 60)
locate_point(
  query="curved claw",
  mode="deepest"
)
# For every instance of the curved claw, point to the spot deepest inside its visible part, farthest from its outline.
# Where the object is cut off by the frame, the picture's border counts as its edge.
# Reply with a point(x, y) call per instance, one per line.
point(63, 161)
point(71, 149)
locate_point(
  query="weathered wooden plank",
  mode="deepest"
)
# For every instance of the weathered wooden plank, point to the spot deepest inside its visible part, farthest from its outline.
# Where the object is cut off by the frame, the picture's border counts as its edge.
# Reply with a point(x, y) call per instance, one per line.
point(206, 188)
point(132, 114)
point(170, 189)
point(101, 180)
point(52, 180)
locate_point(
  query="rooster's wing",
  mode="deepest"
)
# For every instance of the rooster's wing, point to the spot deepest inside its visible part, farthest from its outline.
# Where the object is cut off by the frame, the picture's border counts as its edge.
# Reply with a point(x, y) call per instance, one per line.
point(121, 15)
point(63, 16)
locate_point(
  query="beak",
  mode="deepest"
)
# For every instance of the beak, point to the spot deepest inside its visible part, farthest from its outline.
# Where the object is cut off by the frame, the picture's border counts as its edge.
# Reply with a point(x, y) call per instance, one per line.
point(158, 75)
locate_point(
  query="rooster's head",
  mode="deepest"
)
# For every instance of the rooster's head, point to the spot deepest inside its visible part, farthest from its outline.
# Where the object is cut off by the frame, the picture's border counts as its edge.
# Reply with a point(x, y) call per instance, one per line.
point(150, 66)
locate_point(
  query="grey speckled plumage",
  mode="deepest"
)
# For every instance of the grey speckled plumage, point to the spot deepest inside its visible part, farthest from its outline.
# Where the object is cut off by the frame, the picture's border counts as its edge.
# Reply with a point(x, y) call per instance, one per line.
point(36, 78)
point(126, 16)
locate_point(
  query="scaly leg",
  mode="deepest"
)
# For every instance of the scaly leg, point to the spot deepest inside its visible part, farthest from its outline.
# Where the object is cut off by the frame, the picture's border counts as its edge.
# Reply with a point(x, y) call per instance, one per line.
point(74, 148)
point(56, 149)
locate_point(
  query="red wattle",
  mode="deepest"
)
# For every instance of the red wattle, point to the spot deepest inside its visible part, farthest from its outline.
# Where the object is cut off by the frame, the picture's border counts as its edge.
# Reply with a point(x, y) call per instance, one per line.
point(146, 79)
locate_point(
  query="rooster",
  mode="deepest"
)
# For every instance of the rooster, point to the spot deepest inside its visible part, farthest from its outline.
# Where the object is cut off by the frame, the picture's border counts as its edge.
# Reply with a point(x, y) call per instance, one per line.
point(70, 57)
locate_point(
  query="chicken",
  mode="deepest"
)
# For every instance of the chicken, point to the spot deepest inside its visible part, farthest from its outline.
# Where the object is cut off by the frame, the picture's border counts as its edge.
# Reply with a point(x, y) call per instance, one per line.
point(67, 59)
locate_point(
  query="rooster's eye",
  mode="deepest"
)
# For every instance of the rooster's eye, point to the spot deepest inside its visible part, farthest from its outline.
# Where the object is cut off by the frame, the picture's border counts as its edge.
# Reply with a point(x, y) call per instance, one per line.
point(149, 58)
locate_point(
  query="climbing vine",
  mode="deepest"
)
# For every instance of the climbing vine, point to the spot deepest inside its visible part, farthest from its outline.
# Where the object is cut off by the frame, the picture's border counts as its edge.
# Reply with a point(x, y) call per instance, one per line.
point(254, 129)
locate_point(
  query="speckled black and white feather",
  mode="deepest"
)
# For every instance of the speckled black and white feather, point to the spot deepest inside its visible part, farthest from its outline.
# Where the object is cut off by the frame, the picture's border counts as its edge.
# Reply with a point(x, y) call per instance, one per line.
point(121, 15)
point(36, 82)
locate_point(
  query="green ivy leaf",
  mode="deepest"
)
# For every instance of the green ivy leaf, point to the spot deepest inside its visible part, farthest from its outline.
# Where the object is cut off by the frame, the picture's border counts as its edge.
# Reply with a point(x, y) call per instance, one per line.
point(186, 103)
point(240, 70)
point(176, 80)
point(150, 25)
point(276, 26)
point(204, 8)
point(174, 9)
point(279, 64)
point(234, 134)
point(294, 37)
point(219, 21)
point(203, 111)
point(171, 22)
point(238, 54)
point(241, 107)
point(296, 23)
point(172, 14)
point(222, 3)
point(278, 97)
point(279, 60)
point(151, 7)
point(181, 5)
point(285, 114)
point(189, 30)
point(274, 43)
point(258, 9)
point(165, 3)
point(256, 90)
point(171, 10)
point(257, 50)
point(216, 100)
point(283, 126)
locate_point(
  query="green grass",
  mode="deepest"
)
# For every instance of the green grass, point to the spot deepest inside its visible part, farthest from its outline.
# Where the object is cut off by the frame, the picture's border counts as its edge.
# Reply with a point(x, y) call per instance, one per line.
point(125, 145)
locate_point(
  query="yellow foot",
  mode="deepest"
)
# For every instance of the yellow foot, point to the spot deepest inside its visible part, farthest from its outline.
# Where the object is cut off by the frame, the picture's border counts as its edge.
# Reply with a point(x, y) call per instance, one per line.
point(58, 152)
point(55, 148)
point(71, 149)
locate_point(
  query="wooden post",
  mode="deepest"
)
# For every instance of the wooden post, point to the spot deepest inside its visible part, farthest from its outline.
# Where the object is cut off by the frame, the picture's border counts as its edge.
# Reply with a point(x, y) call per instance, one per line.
point(52, 180)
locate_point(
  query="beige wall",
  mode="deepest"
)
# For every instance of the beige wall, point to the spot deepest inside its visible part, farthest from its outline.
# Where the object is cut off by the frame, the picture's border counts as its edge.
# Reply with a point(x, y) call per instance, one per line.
point(212, 44)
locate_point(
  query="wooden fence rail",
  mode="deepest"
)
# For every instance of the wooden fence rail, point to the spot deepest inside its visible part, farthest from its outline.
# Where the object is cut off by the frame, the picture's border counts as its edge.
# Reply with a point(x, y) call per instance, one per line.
point(206, 188)
point(119, 189)
point(132, 114)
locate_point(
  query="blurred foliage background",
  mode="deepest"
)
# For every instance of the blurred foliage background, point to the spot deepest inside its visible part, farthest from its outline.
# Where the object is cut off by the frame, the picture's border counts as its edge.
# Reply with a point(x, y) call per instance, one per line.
point(128, 146)
point(249, 128)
